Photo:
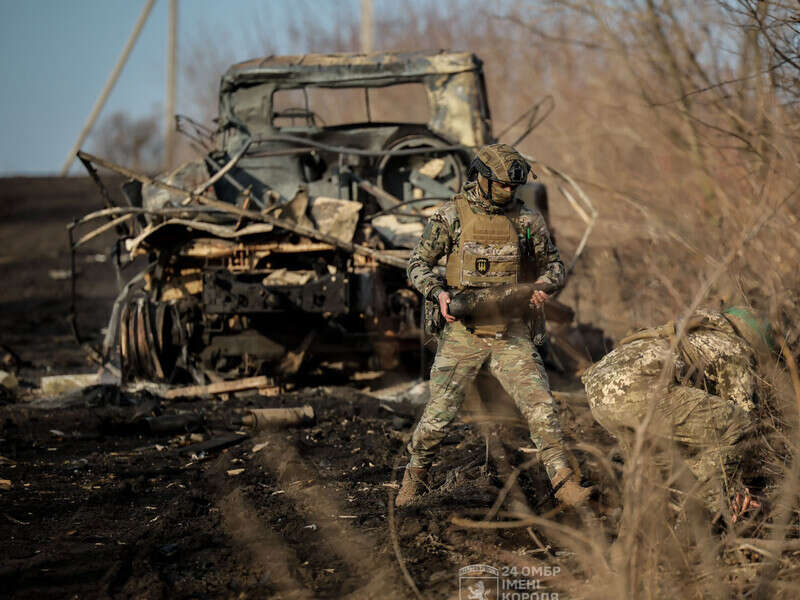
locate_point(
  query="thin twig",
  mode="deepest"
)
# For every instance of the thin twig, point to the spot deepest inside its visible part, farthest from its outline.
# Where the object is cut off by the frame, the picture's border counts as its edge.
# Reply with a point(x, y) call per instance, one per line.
point(519, 520)
point(537, 541)
point(510, 481)
point(791, 364)
point(395, 540)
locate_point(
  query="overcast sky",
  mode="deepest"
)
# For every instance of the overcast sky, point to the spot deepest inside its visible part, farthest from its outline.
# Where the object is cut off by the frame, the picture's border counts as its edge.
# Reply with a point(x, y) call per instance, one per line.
point(55, 56)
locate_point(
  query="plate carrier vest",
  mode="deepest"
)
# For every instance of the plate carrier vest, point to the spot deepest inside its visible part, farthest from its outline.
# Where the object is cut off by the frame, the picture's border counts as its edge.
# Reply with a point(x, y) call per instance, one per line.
point(487, 254)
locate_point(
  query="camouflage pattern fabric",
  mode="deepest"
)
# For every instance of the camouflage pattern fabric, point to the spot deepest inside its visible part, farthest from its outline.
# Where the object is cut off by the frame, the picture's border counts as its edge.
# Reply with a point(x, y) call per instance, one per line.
point(708, 416)
point(515, 363)
point(500, 164)
point(541, 260)
point(461, 354)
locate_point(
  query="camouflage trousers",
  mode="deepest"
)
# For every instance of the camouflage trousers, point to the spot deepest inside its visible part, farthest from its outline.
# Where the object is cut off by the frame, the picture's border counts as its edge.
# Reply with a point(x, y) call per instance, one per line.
point(708, 430)
point(517, 366)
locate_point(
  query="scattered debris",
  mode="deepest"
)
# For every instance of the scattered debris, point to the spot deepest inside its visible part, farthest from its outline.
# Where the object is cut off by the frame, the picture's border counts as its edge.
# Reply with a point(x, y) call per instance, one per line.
point(265, 418)
point(16, 521)
point(173, 423)
point(293, 360)
point(335, 217)
point(221, 387)
point(234, 472)
point(94, 396)
point(59, 274)
point(216, 444)
point(414, 392)
point(8, 380)
point(61, 384)
point(259, 447)
point(5, 484)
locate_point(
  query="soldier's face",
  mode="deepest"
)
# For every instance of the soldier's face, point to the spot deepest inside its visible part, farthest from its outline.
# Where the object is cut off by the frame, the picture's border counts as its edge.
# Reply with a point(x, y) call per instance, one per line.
point(502, 193)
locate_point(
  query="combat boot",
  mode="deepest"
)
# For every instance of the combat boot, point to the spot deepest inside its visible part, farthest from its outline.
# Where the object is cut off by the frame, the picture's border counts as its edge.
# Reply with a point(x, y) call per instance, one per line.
point(414, 479)
point(567, 484)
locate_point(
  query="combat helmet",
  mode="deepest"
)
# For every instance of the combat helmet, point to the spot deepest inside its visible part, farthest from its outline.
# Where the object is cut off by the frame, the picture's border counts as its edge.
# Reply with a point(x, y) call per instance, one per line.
point(753, 328)
point(499, 163)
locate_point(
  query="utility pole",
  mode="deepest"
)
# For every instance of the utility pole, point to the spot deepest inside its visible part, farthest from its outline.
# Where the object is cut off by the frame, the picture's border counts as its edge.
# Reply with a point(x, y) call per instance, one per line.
point(367, 32)
point(112, 80)
point(169, 109)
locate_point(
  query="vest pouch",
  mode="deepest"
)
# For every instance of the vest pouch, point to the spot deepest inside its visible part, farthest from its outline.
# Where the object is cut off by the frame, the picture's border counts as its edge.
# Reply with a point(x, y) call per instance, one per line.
point(497, 330)
point(488, 251)
point(483, 266)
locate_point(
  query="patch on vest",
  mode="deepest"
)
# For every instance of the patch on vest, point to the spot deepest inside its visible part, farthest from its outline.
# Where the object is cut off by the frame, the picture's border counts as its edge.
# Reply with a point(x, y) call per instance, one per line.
point(482, 265)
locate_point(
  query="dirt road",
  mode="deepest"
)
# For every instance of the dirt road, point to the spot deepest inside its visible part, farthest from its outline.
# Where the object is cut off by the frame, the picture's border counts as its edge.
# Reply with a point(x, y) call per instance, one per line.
point(99, 507)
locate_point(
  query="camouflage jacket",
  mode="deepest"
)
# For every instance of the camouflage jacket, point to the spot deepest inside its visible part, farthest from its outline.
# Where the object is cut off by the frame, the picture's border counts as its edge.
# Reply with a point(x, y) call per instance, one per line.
point(540, 258)
point(725, 360)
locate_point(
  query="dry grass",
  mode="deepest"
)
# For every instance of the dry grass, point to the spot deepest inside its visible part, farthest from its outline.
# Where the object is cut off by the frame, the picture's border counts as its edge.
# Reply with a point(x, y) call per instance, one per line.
point(680, 118)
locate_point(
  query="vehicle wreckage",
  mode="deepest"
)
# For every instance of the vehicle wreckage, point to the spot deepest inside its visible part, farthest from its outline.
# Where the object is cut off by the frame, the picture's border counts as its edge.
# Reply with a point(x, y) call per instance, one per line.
point(285, 246)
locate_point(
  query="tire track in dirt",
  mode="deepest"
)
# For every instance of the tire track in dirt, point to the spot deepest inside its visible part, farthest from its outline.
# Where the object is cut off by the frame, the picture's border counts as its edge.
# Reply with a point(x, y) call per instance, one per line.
point(270, 557)
point(367, 557)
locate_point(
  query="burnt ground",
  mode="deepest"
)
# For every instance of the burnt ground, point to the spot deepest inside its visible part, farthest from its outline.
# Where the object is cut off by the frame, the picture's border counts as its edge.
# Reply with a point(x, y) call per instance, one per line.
point(102, 506)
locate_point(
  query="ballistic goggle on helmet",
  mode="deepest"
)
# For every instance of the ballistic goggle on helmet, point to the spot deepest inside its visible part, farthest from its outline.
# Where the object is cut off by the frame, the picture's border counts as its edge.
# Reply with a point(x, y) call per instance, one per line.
point(500, 163)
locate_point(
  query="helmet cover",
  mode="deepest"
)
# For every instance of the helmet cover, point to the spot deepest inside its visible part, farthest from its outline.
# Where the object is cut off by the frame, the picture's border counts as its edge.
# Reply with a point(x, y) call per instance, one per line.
point(754, 329)
point(499, 163)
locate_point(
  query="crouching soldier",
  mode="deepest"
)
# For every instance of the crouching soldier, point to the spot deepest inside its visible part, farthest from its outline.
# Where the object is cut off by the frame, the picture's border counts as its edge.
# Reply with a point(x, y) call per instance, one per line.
point(489, 239)
point(707, 405)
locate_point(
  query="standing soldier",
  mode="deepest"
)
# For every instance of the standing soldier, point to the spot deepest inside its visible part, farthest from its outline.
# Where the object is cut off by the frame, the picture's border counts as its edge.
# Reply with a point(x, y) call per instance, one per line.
point(490, 239)
point(707, 405)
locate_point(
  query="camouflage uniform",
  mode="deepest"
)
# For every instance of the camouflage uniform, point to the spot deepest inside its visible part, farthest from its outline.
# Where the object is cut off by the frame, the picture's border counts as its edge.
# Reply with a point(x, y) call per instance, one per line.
point(708, 405)
point(443, 231)
point(513, 360)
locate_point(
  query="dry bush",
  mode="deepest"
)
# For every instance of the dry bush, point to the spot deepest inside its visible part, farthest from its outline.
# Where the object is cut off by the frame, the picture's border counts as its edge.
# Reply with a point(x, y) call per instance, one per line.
point(681, 120)
point(136, 142)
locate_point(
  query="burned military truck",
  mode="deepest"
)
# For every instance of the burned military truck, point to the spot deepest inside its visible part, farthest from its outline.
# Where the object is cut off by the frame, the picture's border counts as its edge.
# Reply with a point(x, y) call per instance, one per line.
point(285, 246)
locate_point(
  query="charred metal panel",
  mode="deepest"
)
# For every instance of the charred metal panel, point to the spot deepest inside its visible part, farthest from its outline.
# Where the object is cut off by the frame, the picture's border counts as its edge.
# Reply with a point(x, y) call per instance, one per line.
point(380, 68)
point(453, 80)
point(327, 294)
point(248, 342)
point(227, 293)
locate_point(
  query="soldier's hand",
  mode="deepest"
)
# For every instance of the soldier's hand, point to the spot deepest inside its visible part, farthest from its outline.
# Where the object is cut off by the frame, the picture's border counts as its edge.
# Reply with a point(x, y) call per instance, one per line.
point(538, 298)
point(444, 300)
